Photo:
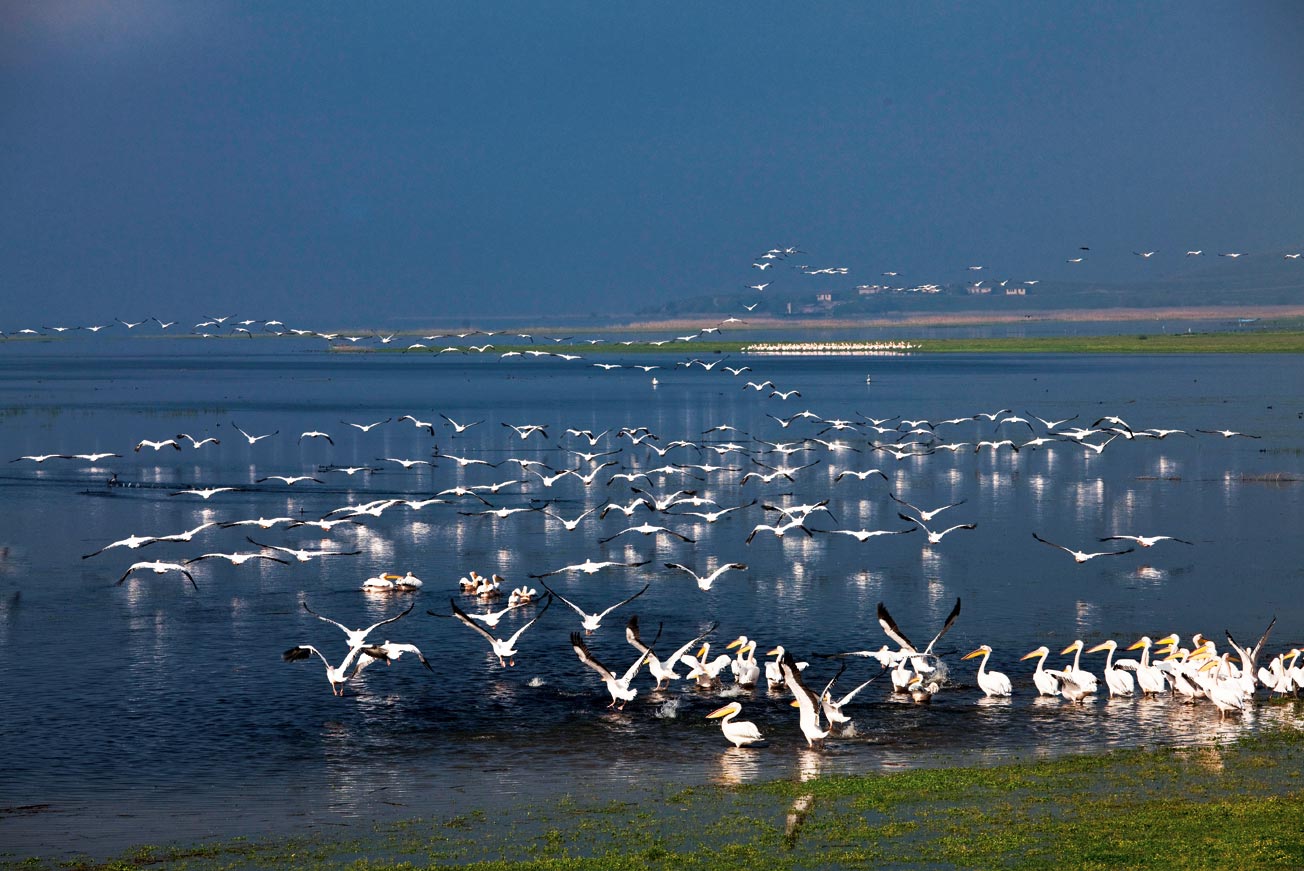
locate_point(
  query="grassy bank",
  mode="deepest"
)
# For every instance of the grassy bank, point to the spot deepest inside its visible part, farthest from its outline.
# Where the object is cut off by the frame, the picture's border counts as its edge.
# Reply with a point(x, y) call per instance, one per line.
point(1235, 806)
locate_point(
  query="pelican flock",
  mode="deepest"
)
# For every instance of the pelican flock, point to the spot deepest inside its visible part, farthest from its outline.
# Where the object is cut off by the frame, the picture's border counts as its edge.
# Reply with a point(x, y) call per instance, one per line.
point(739, 484)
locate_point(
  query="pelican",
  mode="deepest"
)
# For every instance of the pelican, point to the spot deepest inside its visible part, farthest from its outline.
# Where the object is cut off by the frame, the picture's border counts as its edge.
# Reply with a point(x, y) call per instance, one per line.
point(95, 457)
point(198, 443)
point(204, 493)
point(1081, 556)
point(745, 670)
point(504, 649)
point(618, 686)
point(935, 537)
point(131, 542)
point(992, 683)
point(648, 529)
point(316, 434)
point(923, 661)
point(158, 568)
point(589, 567)
point(143, 443)
point(1118, 681)
point(704, 670)
point(304, 556)
point(737, 733)
point(356, 638)
point(527, 430)
point(661, 669)
point(833, 707)
point(367, 427)
point(591, 622)
point(235, 559)
point(805, 701)
point(1084, 679)
point(1046, 681)
point(336, 675)
point(704, 582)
point(1146, 540)
point(1228, 433)
point(864, 535)
point(1224, 690)
point(1149, 678)
point(924, 516)
point(252, 439)
point(571, 525)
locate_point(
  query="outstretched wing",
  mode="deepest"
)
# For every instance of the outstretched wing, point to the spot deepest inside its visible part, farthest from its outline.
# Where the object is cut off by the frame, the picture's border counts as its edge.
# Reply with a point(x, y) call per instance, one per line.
point(624, 601)
point(892, 630)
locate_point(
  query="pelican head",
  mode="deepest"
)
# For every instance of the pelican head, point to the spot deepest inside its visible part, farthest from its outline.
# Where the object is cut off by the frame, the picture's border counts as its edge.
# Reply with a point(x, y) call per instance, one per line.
point(1111, 644)
point(1143, 641)
point(740, 642)
point(1042, 651)
point(731, 708)
point(979, 652)
point(1076, 645)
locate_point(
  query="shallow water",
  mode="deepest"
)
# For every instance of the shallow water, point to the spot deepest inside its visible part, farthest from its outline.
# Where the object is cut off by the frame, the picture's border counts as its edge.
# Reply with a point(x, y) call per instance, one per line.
point(149, 710)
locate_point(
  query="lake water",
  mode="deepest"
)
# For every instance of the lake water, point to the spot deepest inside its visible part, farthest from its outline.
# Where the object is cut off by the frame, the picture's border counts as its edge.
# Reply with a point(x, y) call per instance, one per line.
point(152, 710)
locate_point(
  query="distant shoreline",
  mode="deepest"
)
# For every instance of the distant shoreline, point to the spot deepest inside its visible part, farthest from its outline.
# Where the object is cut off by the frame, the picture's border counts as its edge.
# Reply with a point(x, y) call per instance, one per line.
point(977, 318)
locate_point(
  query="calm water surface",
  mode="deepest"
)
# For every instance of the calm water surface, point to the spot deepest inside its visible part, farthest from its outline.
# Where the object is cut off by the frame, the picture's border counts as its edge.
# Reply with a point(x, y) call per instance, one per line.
point(151, 710)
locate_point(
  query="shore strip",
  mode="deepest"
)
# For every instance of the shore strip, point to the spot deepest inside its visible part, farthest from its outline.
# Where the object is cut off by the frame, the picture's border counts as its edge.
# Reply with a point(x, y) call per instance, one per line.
point(1236, 805)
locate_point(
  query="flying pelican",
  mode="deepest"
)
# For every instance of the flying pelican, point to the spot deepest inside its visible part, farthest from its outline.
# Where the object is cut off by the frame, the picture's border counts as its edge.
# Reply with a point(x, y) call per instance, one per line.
point(737, 733)
point(143, 443)
point(251, 438)
point(805, 700)
point(992, 683)
point(591, 622)
point(1228, 433)
point(236, 559)
point(290, 480)
point(504, 649)
point(131, 542)
point(204, 493)
point(357, 638)
point(387, 653)
point(367, 427)
point(1146, 540)
point(1080, 556)
point(661, 669)
point(571, 525)
point(648, 529)
point(618, 686)
point(833, 707)
point(936, 537)
point(419, 424)
point(923, 661)
point(304, 556)
point(924, 516)
point(704, 582)
point(198, 443)
point(864, 535)
point(336, 675)
point(158, 568)
point(316, 434)
point(589, 567)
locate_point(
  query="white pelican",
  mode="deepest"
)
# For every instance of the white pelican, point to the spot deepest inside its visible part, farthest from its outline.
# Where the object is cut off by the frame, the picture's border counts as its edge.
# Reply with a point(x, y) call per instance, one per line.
point(1117, 681)
point(935, 537)
point(1084, 679)
point(131, 542)
point(1146, 540)
point(336, 675)
point(923, 661)
point(591, 622)
point(504, 649)
point(1149, 678)
point(618, 686)
point(252, 439)
point(289, 480)
point(1224, 690)
point(924, 516)
point(198, 443)
point(589, 567)
point(236, 559)
point(805, 701)
point(737, 733)
point(833, 707)
point(158, 568)
point(367, 427)
point(704, 670)
point(316, 434)
point(704, 582)
point(1228, 433)
point(992, 683)
point(204, 492)
point(1080, 556)
point(304, 556)
point(356, 638)
point(1046, 681)
point(745, 669)
point(648, 529)
point(661, 669)
point(143, 443)
point(527, 430)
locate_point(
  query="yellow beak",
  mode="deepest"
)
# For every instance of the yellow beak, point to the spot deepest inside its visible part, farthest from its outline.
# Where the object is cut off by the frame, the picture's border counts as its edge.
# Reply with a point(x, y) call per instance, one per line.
point(1104, 645)
point(727, 709)
point(978, 652)
point(1137, 646)
point(1072, 647)
point(732, 644)
point(1031, 655)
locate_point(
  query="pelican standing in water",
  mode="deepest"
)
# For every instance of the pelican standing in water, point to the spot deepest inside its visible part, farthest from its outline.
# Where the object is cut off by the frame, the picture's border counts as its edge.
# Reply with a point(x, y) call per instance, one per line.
point(992, 683)
point(1046, 681)
point(1118, 681)
point(737, 733)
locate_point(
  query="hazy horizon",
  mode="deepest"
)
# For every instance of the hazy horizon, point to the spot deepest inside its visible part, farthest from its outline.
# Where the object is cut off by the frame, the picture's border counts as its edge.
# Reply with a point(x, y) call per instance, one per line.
point(357, 164)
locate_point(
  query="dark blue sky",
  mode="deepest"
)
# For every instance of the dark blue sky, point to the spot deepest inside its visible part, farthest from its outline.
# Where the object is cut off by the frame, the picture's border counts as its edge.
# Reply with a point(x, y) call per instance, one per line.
point(362, 163)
